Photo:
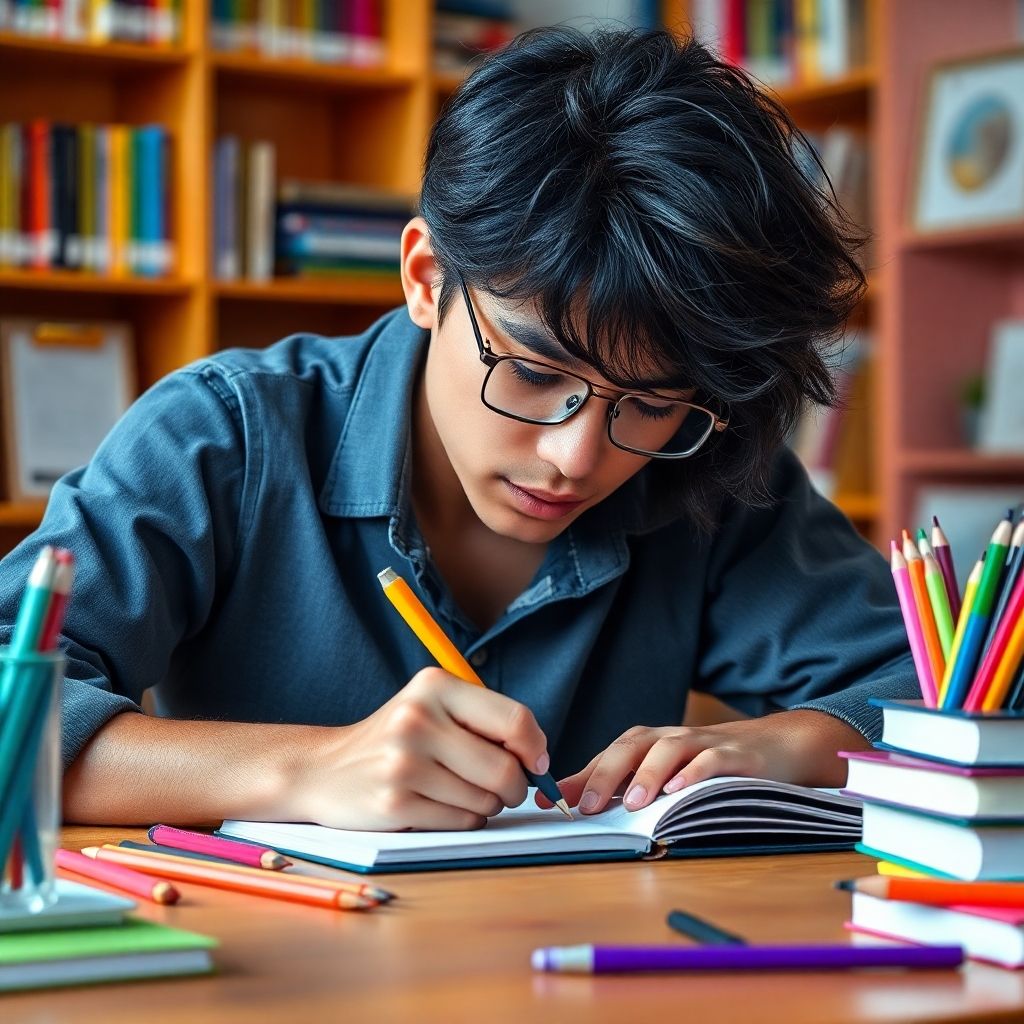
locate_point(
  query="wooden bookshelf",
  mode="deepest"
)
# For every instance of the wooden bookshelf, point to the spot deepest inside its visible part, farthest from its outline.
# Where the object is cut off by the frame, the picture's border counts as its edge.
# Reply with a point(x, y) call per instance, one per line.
point(931, 296)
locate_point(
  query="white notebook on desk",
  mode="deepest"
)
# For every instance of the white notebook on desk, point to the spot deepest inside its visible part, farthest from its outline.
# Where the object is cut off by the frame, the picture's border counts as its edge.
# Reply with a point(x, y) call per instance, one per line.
point(721, 816)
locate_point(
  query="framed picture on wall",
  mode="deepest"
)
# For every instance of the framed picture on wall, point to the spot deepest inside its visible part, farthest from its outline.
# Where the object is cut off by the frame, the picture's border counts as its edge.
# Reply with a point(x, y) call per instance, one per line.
point(970, 161)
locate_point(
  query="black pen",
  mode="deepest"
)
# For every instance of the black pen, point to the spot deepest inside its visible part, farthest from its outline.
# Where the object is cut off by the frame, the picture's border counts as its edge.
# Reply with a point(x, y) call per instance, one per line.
point(703, 931)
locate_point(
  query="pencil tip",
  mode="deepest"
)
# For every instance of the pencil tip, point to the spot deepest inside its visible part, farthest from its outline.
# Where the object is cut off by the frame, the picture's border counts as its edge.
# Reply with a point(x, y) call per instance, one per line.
point(846, 884)
point(564, 808)
point(935, 520)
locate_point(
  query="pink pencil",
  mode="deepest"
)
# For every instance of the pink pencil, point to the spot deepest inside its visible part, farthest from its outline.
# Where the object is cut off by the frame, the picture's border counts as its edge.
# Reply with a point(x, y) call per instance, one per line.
point(905, 592)
point(229, 849)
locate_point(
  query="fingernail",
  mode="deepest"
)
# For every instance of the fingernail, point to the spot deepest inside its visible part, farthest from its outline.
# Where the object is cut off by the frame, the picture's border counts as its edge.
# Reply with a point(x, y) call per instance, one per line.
point(543, 763)
point(636, 796)
point(675, 784)
point(589, 801)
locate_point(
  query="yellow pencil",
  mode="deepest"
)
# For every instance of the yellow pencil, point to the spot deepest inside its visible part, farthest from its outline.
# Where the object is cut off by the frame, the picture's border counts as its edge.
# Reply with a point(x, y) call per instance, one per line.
point(970, 589)
point(448, 656)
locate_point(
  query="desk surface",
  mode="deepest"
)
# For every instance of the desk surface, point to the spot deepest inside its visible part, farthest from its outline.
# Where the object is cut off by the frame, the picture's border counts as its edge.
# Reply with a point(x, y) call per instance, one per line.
point(456, 945)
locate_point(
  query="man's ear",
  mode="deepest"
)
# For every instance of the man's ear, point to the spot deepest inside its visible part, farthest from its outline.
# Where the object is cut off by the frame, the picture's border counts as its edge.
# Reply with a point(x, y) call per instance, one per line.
point(420, 276)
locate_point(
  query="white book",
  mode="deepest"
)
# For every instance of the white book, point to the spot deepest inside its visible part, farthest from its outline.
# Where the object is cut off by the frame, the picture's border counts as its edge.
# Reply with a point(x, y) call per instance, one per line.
point(945, 845)
point(954, 736)
point(1002, 419)
point(728, 814)
point(957, 790)
point(76, 906)
point(986, 933)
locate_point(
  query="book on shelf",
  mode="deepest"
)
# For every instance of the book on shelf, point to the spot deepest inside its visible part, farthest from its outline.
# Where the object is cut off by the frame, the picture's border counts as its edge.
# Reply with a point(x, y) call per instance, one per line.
point(85, 197)
point(959, 790)
point(953, 736)
point(464, 29)
point(995, 934)
point(321, 31)
point(121, 952)
point(969, 848)
point(153, 22)
point(1001, 427)
point(725, 815)
point(785, 42)
point(835, 443)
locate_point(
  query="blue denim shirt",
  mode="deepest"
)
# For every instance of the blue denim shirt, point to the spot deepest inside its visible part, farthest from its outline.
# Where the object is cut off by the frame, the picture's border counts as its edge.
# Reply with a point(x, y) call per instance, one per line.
point(230, 529)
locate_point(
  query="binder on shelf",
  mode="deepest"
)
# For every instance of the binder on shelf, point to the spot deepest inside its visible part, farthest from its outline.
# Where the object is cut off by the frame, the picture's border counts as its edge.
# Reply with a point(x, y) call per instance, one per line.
point(63, 385)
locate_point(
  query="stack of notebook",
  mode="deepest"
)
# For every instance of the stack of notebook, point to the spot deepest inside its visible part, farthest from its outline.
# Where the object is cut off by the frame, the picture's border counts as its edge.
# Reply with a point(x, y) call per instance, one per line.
point(86, 937)
point(944, 797)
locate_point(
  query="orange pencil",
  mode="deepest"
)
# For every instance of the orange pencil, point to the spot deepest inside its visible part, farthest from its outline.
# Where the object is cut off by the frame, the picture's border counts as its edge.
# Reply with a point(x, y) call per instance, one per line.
point(258, 883)
point(371, 892)
point(938, 892)
point(915, 567)
point(158, 890)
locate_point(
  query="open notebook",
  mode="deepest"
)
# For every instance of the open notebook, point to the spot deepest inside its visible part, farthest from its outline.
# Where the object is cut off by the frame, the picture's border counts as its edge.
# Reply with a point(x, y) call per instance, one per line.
point(721, 816)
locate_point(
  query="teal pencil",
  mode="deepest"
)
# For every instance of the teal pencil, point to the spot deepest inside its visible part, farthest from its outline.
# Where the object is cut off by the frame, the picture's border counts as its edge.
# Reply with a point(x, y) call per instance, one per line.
point(20, 689)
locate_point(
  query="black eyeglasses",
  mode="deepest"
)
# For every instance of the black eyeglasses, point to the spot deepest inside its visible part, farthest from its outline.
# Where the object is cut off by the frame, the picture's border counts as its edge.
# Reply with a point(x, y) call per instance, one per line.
point(641, 423)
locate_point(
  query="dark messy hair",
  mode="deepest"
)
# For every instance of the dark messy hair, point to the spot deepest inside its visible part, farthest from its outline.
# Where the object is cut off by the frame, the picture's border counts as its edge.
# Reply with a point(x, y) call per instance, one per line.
point(650, 200)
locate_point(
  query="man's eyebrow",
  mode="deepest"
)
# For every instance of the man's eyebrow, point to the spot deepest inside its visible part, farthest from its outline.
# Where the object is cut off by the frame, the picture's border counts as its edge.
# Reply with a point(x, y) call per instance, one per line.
point(536, 341)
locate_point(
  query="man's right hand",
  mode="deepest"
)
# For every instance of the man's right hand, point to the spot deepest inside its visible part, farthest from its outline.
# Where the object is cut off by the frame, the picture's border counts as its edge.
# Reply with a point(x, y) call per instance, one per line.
point(441, 754)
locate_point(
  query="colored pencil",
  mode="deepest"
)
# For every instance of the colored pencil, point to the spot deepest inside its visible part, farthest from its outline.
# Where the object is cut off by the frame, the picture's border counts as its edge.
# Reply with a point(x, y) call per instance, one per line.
point(944, 556)
point(991, 662)
point(371, 892)
point(228, 849)
point(1015, 701)
point(637, 959)
point(158, 890)
point(912, 621)
point(448, 656)
point(977, 622)
point(251, 881)
point(1012, 662)
point(970, 592)
point(940, 605)
point(702, 931)
point(915, 569)
point(938, 892)
point(1012, 569)
point(63, 579)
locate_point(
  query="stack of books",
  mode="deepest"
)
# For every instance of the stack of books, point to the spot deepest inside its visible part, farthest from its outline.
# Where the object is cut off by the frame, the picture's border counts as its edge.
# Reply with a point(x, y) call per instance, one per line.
point(147, 22)
point(85, 197)
point(326, 31)
point(944, 797)
point(86, 937)
point(944, 790)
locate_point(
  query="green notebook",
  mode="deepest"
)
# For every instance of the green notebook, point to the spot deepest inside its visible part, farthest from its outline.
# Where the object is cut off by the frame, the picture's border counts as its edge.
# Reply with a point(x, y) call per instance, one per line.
point(135, 949)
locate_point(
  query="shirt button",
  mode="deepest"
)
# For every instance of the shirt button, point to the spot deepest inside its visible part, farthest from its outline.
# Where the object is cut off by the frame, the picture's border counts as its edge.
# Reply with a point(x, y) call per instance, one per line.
point(478, 658)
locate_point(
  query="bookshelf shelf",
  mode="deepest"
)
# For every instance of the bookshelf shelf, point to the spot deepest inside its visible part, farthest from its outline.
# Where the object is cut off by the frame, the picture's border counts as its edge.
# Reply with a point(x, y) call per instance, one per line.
point(847, 98)
point(97, 56)
point(996, 239)
point(74, 281)
point(963, 462)
point(25, 514)
point(334, 291)
point(308, 74)
point(863, 508)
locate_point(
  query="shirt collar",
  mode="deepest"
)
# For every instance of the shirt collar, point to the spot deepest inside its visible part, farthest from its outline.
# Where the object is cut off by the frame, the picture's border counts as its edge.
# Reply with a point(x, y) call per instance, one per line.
point(369, 474)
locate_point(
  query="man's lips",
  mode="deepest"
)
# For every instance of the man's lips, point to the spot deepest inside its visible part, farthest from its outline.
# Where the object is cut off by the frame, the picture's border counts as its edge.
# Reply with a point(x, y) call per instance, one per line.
point(548, 496)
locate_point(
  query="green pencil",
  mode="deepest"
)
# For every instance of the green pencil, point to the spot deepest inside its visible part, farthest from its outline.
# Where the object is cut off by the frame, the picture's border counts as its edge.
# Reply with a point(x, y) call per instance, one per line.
point(936, 584)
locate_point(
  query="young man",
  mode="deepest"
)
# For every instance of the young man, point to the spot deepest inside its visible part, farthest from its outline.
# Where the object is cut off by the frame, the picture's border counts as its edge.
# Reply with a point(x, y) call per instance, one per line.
point(570, 442)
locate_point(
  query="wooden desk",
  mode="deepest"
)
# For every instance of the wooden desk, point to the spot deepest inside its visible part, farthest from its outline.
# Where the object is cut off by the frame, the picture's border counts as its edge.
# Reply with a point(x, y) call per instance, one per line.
point(456, 945)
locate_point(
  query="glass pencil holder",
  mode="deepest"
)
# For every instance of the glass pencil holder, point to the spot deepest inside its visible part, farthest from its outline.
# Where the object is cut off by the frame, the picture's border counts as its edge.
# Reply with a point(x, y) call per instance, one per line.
point(30, 772)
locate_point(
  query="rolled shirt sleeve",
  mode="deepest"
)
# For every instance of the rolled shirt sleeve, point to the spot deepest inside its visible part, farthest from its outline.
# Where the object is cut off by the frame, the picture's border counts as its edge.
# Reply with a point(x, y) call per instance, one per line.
point(801, 612)
point(153, 521)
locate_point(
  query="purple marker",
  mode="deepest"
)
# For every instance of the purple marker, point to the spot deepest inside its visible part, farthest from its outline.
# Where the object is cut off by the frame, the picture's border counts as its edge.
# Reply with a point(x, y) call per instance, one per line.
point(633, 959)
